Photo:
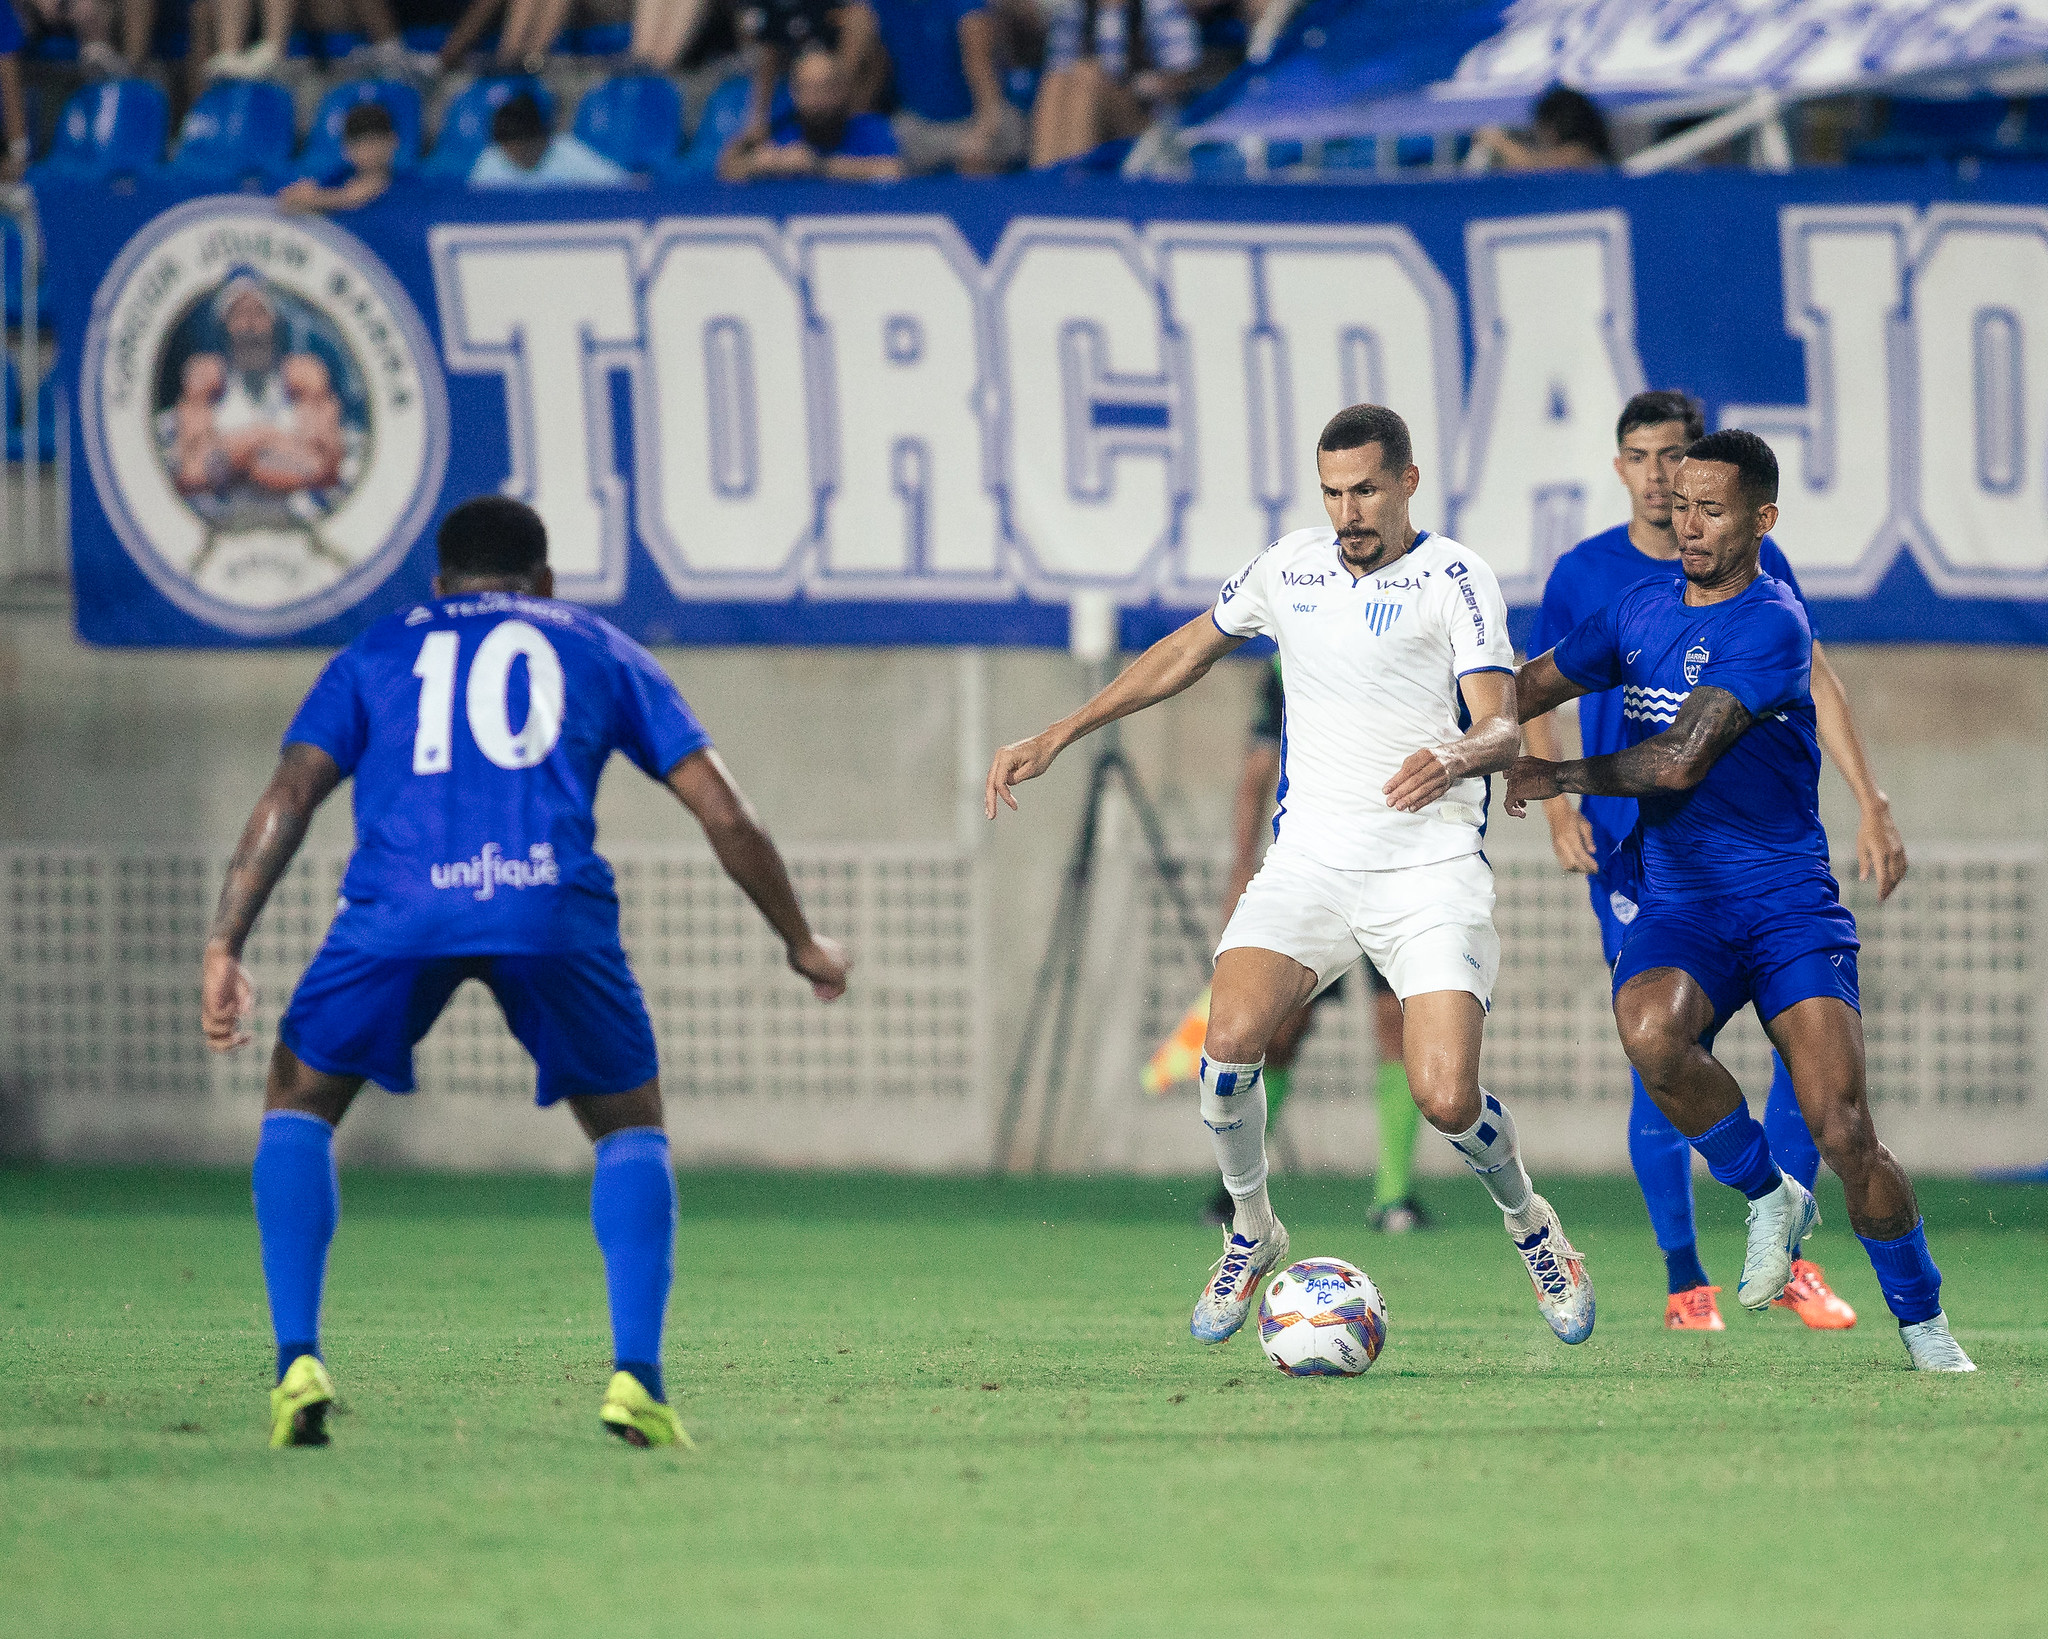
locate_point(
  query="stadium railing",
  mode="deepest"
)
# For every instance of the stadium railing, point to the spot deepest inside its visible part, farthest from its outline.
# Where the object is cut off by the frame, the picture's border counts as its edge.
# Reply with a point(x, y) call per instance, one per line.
point(30, 547)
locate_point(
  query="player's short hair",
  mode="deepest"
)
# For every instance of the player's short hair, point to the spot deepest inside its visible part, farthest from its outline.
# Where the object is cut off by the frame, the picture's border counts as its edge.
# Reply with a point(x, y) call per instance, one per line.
point(491, 535)
point(519, 119)
point(1755, 464)
point(1656, 408)
point(1364, 424)
point(367, 119)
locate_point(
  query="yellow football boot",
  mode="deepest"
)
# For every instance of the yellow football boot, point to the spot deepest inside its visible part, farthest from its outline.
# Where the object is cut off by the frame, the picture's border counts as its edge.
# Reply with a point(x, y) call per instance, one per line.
point(298, 1405)
point(639, 1419)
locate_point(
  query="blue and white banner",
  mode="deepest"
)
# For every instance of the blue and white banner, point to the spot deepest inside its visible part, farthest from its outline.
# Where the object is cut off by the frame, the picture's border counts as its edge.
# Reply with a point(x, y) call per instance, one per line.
point(931, 413)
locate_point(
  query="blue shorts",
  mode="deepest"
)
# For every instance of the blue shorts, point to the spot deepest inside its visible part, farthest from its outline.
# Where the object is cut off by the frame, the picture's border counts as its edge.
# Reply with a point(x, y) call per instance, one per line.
point(1769, 952)
point(578, 1012)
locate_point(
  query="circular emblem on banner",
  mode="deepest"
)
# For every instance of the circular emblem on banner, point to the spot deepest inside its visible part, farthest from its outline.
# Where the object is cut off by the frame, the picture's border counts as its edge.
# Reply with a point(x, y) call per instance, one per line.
point(263, 414)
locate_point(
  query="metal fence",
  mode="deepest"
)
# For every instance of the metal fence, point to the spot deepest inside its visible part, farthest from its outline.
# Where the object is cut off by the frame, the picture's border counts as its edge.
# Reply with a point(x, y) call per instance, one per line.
point(100, 1054)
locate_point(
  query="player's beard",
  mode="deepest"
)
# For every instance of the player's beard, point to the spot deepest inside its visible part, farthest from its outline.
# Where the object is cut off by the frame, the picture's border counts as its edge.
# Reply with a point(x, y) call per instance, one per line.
point(1365, 552)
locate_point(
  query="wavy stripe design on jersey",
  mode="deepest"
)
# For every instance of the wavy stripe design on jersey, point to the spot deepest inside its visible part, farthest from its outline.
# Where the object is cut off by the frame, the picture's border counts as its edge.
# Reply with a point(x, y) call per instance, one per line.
point(1647, 705)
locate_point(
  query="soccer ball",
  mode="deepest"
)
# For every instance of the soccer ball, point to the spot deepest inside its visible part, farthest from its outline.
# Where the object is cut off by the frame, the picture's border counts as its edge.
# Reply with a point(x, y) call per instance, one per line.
point(1322, 1318)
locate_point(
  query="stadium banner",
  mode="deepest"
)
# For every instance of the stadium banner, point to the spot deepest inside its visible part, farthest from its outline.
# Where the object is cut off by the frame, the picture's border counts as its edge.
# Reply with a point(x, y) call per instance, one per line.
point(932, 413)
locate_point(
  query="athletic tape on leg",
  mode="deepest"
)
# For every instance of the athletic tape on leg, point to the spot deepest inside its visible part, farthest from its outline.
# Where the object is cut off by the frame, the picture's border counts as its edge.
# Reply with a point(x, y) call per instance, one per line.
point(1234, 1111)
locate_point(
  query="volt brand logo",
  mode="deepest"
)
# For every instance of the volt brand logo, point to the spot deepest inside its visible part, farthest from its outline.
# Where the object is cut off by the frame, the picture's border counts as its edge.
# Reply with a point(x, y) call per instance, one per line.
point(1380, 617)
point(1695, 657)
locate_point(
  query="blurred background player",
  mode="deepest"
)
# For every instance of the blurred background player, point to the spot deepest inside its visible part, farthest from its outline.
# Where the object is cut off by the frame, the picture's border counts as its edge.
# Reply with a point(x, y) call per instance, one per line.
point(1736, 904)
point(476, 727)
point(1394, 639)
point(1395, 1210)
point(1652, 436)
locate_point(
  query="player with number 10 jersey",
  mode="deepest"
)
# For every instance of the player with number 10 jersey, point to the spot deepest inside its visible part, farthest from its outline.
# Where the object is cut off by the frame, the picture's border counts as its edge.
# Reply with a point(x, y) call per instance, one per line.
point(476, 727)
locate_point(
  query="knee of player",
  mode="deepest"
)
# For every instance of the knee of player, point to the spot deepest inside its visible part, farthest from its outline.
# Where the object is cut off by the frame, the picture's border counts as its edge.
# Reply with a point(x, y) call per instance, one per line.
point(1233, 1040)
point(1843, 1132)
point(1654, 1040)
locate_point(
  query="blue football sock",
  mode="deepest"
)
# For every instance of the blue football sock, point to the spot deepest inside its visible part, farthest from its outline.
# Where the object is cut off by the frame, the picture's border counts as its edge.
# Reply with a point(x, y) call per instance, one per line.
point(298, 1203)
point(1792, 1145)
point(1663, 1162)
point(1738, 1154)
point(1683, 1269)
point(1906, 1275)
point(633, 1210)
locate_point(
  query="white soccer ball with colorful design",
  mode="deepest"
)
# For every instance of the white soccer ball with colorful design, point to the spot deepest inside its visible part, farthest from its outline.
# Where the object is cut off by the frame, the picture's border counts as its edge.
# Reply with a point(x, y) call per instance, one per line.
point(1322, 1318)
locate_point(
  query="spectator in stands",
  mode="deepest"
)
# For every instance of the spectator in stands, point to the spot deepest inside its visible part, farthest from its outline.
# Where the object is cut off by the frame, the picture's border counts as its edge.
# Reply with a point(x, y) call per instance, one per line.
point(776, 32)
point(525, 154)
point(950, 109)
point(369, 147)
point(821, 135)
point(13, 112)
point(663, 31)
point(1571, 135)
point(239, 58)
point(530, 29)
point(92, 21)
point(1110, 67)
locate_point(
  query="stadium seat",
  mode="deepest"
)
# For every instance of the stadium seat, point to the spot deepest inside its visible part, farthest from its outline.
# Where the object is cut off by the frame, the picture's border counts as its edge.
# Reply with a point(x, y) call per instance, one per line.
point(323, 143)
point(724, 113)
point(46, 414)
point(107, 131)
point(238, 135)
point(635, 120)
point(1918, 132)
point(1216, 162)
point(601, 40)
point(466, 127)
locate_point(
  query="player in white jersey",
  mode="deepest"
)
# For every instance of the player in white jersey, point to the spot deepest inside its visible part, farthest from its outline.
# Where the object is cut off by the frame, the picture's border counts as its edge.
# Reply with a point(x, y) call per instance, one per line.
point(1400, 703)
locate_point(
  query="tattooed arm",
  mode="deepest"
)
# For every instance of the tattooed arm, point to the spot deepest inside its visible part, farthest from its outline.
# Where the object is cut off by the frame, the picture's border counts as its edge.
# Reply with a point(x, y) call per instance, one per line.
point(304, 778)
point(1710, 721)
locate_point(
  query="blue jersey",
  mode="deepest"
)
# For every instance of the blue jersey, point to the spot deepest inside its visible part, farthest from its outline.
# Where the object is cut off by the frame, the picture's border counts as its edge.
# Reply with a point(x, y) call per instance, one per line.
point(1752, 827)
point(1589, 577)
point(476, 728)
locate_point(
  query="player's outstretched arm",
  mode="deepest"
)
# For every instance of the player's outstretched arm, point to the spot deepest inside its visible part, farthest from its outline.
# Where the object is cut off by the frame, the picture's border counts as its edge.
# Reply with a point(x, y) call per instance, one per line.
point(1540, 688)
point(1487, 747)
point(1880, 850)
point(1710, 721)
point(1162, 671)
point(705, 786)
point(305, 775)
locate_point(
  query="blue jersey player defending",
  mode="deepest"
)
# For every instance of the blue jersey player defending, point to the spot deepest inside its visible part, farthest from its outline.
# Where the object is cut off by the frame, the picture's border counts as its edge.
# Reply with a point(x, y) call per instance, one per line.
point(476, 727)
point(1650, 439)
point(1730, 864)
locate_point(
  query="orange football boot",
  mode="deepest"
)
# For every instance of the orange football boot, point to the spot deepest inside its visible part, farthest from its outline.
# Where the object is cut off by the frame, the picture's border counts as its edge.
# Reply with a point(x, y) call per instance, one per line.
point(1693, 1311)
point(1813, 1300)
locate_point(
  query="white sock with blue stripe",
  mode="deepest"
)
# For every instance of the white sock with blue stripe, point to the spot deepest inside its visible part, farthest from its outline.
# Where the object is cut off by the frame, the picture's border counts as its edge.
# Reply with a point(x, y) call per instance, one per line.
point(1490, 1150)
point(1234, 1111)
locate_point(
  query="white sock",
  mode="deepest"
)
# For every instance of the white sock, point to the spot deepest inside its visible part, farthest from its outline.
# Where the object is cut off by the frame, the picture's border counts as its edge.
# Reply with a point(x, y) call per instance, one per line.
point(1234, 1111)
point(1489, 1149)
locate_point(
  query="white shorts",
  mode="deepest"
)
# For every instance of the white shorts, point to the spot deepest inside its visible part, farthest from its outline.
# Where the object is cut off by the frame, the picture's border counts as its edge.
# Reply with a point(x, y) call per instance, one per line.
point(1426, 927)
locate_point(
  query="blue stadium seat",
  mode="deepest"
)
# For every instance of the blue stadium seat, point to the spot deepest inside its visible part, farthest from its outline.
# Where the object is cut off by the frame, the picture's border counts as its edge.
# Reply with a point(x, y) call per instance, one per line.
point(110, 130)
point(635, 120)
point(1918, 132)
point(724, 113)
point(466, 127)
point(1216, 162)
point(323, 154)
point(238, 135)
point(46, 415)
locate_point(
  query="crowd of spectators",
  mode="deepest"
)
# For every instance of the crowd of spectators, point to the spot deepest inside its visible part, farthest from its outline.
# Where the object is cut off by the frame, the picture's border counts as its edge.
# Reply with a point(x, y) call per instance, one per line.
point(853, 90)
point(857, 89)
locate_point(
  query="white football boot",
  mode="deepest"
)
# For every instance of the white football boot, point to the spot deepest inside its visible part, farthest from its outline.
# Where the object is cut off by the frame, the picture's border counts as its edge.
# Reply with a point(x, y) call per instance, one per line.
point(1234, 1282)
point(1778, 1222)
point(1933, 1348)
point(1564, 1291)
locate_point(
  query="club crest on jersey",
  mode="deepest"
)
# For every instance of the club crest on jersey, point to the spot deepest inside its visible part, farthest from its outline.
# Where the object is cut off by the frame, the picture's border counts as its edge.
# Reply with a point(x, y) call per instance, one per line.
point(263, 413)
point(1695, 658)
point(1380, 617)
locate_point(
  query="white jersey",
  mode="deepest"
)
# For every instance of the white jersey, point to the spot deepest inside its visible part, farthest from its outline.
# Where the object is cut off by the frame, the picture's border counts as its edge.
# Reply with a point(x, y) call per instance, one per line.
point(1371, 668)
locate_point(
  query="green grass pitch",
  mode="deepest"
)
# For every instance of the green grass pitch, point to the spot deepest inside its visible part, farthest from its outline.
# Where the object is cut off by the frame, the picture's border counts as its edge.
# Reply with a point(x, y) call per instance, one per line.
point(948, 1407)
